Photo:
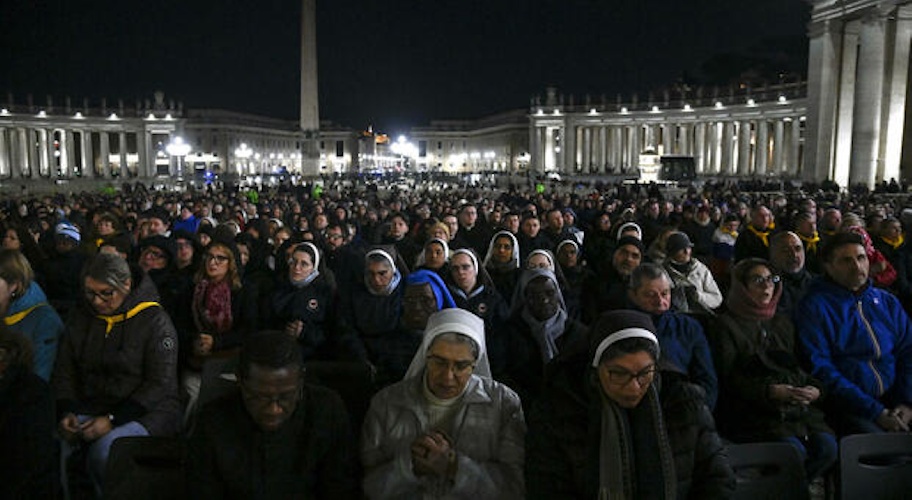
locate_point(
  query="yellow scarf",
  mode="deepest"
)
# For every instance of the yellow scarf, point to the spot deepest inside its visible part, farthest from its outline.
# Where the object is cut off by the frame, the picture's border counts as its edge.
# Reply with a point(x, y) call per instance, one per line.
point(734, 234)
point(12, 319)
point(117, 318)
point(894, 243)
point(763, 235)
point(810, 244)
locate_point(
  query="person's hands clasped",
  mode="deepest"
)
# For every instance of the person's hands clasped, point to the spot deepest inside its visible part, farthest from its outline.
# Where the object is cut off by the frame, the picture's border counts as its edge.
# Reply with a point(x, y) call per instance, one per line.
point(69, 428)
point(96, 427)
point(892, 421)
point(787, 393)
point(203, 345)
point(432, 454)
point(294, 328)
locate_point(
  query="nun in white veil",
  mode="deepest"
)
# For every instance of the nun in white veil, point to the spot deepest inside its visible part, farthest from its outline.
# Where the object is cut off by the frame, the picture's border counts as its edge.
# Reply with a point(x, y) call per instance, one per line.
point(447, 430)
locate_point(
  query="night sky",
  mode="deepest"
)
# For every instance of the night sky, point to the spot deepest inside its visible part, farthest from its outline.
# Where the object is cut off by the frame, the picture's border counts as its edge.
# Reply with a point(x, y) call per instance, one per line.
point(393, 64)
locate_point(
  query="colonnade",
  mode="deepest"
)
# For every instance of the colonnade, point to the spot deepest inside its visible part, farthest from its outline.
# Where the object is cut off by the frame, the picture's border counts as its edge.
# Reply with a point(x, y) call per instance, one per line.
point(749, 139)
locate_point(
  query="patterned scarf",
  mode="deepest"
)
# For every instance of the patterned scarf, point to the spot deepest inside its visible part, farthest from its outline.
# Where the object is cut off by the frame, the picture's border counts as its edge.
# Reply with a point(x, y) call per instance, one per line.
point(742, 305)
point(763, 235)
point(810, 244)
point(212, 307)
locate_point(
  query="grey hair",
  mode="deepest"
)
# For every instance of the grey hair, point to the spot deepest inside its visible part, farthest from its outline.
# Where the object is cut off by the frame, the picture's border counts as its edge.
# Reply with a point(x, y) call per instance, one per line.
point(458, 338)
point(647, 272)
point(110, 269)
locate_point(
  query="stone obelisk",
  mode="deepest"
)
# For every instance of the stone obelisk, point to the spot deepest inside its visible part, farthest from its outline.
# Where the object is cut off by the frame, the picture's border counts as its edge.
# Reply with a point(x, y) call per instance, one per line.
point(310, 106)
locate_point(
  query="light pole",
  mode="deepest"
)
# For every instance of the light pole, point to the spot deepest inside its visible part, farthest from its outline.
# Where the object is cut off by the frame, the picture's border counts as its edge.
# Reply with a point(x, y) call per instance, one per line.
point(177, 147)
point(243, 153)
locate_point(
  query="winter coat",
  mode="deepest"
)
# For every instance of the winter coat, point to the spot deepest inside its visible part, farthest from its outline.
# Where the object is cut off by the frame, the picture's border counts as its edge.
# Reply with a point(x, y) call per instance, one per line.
point(311, 455)
point(30, 452)
point(315, 305)
point(562, 445)
point(521, 358)
point(488, 432)
point(749, 357)
point(684, 345)
point(858, 345)
point(705, 295)
point(126, 368)
point(32, 316)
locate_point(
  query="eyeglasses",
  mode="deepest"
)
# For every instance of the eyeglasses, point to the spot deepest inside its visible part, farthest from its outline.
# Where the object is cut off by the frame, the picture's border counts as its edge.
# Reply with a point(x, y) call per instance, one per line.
point(772, 279)
point(285, 400)
point(103, 295)
point(621, 377)
point(436, 363)
point(155, 254)
point(221, 259)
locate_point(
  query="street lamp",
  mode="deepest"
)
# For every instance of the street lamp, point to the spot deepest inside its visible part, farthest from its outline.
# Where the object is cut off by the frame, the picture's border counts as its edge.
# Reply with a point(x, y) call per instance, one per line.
point(243, 153)
point(177, 147)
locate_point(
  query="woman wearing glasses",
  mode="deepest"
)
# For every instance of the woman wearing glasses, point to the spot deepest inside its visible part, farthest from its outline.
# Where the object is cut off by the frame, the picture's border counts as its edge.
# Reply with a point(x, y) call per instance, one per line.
point(764, 395)
point(116, 372)
point(605, 428)
point(447, 430)
point(222, 312)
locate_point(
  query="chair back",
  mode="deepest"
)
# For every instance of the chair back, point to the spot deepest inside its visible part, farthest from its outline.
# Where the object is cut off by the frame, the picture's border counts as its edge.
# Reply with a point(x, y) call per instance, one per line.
point(767, 471)
point(146, 467)
point(876, 466)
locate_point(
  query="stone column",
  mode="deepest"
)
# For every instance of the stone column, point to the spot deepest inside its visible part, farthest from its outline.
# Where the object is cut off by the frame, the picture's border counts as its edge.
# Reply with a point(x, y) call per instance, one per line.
point(88, 156)
point(4, 152)
point(866, 130)
point(105, 146)
point(586, 153)
point(44, 154)
point(744, 149)
point(69, 140)
point(569, 149)
point(762, 151)
point(795, 149)
point(649, 137)
point(686, 130)
point(146, 167)
point(122, 151)
point(635, 148)
point(842, 149)
point(726, 161)
point(700, 146)
point(897, 84)
point(779, 147)
point(823, 77)
point(24, 156)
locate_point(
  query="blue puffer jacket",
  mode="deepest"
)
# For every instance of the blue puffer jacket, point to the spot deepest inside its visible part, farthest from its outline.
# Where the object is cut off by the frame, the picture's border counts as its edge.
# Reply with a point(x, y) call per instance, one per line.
point(32, 316)
point(858, 346)
point(684, 344)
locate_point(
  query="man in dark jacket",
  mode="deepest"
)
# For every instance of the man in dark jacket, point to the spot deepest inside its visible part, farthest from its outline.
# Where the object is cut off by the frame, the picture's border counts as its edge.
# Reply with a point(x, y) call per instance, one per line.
point(754, 240)
point(787, 255)
point(275, 437)
point(605, 427)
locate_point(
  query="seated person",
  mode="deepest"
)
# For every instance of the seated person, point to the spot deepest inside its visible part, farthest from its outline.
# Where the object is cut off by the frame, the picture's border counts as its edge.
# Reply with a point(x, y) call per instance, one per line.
point(857, 340)
point(28, 461)
point(116, 372)
point(275, 437)
point(603, 429)
point(447, 430)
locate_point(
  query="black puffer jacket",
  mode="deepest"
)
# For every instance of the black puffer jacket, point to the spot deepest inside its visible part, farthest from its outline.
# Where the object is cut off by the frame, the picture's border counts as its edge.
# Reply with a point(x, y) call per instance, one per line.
point(130, 372)
point(562, 444)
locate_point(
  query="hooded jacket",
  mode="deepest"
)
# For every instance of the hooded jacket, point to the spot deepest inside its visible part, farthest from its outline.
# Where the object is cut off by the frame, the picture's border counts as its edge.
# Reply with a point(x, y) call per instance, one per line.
point(32, 316)
point(124, 365)
point(858, 345)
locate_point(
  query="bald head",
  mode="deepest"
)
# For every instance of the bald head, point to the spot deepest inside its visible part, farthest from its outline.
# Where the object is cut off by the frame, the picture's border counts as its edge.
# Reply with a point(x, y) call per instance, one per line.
point(787, 252)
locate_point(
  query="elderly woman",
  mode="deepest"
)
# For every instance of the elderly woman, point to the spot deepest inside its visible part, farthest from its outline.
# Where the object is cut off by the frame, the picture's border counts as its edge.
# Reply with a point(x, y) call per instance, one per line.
point(502, 262)
point(604, 429)
point(25, 309)
point(116, 372)
point(538, 329)
point(447, 430)
point(764, 394)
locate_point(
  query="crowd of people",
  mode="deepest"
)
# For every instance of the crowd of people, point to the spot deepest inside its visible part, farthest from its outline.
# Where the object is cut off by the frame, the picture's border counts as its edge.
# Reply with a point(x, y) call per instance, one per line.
point(602, 342)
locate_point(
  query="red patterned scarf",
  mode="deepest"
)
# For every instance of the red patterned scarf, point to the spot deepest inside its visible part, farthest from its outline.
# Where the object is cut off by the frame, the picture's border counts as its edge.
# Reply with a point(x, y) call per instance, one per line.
point(212, 307)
